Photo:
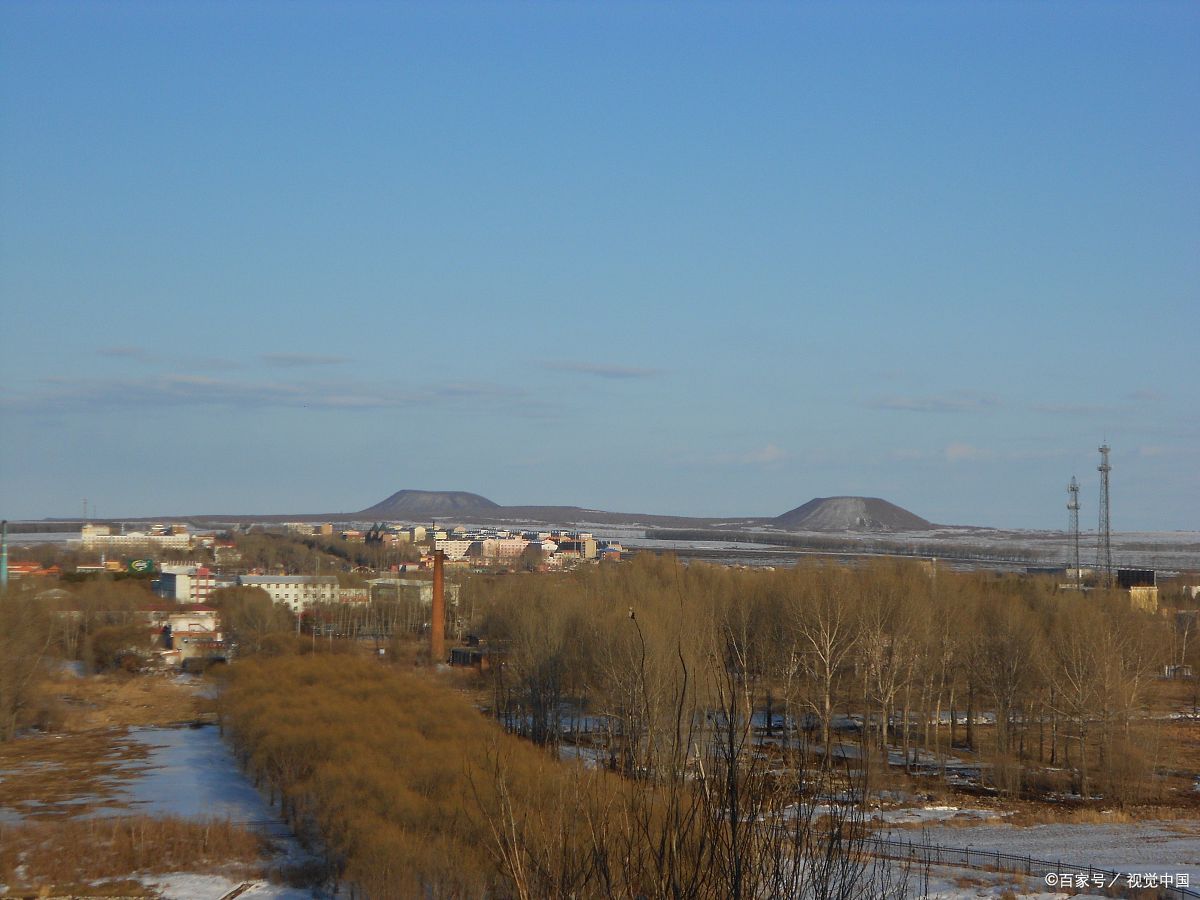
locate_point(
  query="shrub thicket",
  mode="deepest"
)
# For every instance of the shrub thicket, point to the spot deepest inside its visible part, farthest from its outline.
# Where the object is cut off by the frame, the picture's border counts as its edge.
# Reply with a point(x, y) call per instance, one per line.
point(397, 774)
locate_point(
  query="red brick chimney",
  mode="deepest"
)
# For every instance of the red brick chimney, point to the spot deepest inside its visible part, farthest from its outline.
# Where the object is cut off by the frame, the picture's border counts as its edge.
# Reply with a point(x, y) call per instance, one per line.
point(437, 620)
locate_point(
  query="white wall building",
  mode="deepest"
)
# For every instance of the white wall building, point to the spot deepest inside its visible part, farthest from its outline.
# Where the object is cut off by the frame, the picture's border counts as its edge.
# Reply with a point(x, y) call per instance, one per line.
point(453, 549)
point(503, 549)
point(102, 536)
point(297, 591)
point(185, 584)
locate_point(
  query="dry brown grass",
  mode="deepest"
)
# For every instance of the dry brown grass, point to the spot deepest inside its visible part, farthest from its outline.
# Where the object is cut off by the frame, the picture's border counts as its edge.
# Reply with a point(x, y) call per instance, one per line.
point(966, 881)
point(51, 776)
point(47, 776)
point(106, 701)
point(62, 855)
point(1025, 814)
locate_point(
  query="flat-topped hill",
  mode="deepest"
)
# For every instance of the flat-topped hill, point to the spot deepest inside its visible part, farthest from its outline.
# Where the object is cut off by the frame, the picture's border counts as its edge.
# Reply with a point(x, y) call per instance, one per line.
point(851, 514)
point(428, 504)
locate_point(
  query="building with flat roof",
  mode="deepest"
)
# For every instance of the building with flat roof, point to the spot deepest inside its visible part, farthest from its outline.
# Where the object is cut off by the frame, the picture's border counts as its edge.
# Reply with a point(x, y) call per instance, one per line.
point(297, 591)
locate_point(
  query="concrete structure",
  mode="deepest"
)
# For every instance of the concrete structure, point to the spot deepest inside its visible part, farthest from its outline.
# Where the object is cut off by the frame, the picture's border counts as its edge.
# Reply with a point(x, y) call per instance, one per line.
point(417, 590)
point(453, 549)
point(184, 583)
point(175, 536)
point(502, 549)
point(297, 591)
point(1142, 585)
point(1144, 597)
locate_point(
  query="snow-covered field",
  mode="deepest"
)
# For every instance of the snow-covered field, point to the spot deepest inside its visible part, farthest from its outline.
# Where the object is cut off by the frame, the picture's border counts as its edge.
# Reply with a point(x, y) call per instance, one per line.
point(1165, 551)
point(184, 886)
point(190, 772)
point(1146, 847)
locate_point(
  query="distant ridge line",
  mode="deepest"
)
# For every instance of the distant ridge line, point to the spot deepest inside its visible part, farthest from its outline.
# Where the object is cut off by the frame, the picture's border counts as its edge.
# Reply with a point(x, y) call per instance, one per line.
point(832, 514)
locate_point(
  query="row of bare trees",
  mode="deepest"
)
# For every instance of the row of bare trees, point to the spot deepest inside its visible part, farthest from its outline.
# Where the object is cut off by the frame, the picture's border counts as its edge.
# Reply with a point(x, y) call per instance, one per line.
point(917, 663)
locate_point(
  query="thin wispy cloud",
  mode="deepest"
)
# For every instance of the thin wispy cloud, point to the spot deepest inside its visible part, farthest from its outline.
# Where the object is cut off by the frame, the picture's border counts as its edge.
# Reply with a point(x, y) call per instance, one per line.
point(601, 370)
point(179, 391)
point(1074, 409)
point(962, 452)
point(301, 360)
point(1128, 405)
point(771, 453)
point(138, 354)
point(174, 362)
point(1151, 451)
point(211, 363)
point(950, 402)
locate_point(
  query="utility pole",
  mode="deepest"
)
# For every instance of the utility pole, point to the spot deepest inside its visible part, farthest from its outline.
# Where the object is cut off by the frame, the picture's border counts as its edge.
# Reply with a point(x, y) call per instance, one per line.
point(1104, 550)
point(1073, 506)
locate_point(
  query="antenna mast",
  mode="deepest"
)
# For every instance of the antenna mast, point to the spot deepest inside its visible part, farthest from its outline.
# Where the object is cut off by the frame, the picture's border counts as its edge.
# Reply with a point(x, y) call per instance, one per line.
point(1073, 506)
point(1104, 550)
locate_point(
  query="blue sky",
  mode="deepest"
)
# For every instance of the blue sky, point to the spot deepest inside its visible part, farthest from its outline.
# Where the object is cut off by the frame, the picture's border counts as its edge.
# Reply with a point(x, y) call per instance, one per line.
point(684, 258)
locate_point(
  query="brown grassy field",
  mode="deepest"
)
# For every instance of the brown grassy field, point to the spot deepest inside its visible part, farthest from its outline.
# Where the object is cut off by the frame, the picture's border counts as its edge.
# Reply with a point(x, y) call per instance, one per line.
point(94, 857)
point(84, 761)
point(105, 701)
point(53, 779)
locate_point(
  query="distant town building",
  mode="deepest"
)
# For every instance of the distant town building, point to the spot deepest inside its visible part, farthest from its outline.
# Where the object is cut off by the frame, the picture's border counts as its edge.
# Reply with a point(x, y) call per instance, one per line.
point(454, 549)
point(175, 536)
point(502, 549)
point(297, 591)
point(417, 590)
point(184, 583)
point(1142, 585)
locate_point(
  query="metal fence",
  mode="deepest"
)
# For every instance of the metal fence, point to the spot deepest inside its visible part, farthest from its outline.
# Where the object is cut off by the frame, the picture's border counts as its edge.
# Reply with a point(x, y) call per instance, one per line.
point(923, 854)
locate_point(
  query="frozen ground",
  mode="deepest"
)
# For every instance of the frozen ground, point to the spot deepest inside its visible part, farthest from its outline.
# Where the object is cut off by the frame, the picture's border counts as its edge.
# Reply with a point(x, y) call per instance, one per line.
point(1165, 551)
point(949, 883)
point(1149, 847)
point(186, 886)
point(189, 772)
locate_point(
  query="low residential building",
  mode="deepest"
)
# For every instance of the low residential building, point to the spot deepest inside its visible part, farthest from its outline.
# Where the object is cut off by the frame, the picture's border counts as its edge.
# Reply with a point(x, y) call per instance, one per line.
point(580, 548)
point(297, 591)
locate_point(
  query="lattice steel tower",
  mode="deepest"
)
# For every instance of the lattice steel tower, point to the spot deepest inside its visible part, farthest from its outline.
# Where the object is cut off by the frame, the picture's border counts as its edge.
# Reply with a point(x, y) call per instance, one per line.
point(1073, 506)
point(1104, 537)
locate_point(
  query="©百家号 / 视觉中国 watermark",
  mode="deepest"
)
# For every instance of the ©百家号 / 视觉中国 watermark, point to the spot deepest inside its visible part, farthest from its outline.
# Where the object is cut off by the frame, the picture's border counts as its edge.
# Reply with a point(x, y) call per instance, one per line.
point(1131, 879)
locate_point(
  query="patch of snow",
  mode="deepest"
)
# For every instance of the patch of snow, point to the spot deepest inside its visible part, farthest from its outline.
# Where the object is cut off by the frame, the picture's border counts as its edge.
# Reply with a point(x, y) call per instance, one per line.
point(191, 886)
point(190, 772)
point(911, 815)
point(1148, 847)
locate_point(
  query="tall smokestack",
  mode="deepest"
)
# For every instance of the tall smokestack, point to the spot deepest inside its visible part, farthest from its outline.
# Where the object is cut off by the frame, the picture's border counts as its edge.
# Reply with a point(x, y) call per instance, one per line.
point(437, 619)
point(4, 555)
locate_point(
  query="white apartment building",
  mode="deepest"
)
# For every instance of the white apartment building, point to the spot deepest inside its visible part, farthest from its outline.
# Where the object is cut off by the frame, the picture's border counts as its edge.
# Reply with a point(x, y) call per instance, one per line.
point(102, 536)
point(297, 591)
point(454, 549)
point(502, 549)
